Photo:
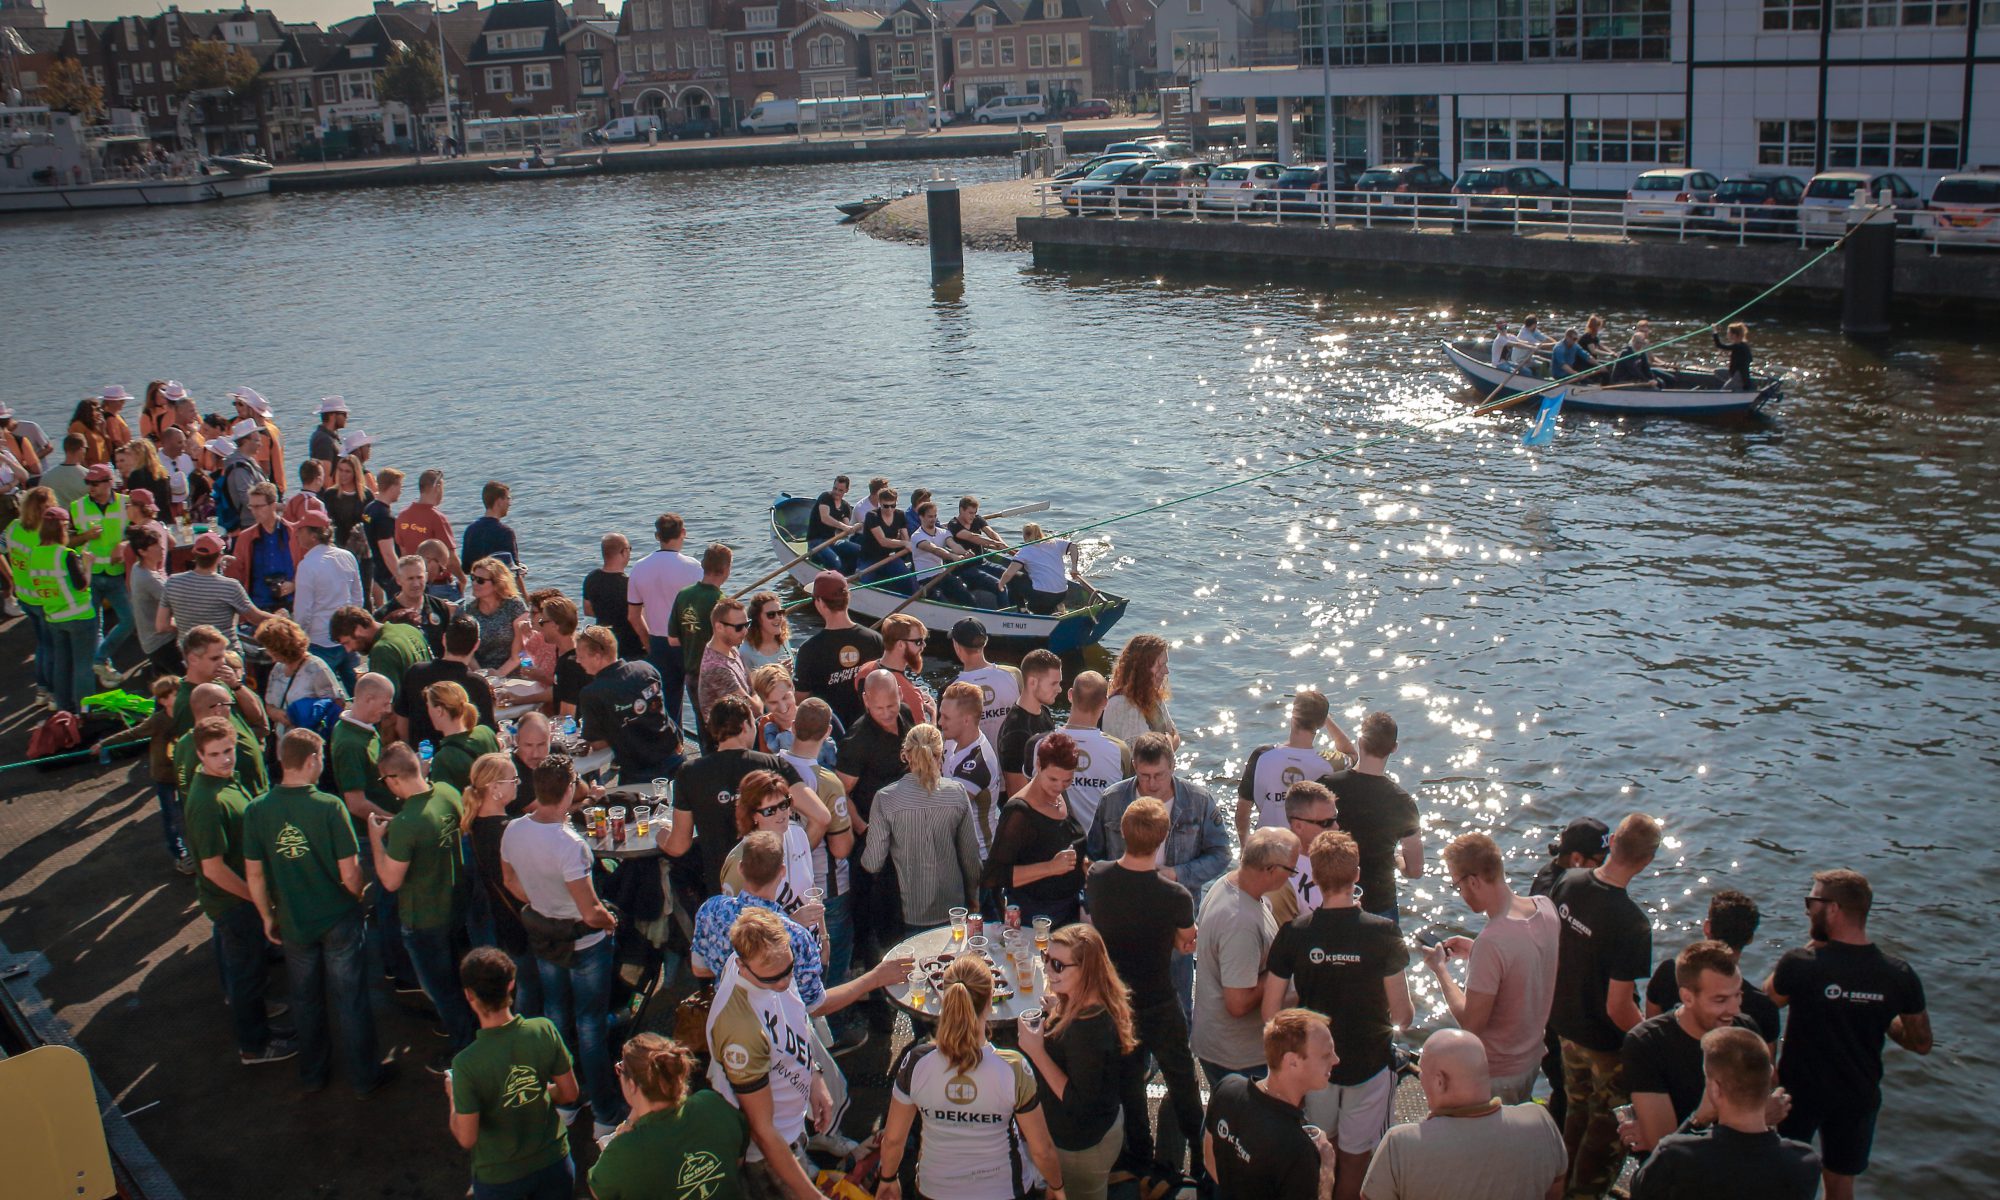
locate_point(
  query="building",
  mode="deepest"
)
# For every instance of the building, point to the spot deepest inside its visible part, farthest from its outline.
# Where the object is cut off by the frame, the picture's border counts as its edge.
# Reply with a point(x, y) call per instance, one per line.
point(23, 14)
point(1056, 49)
point(289, 98)
point(763, 61)
point(671, 60)
point(517, 68)
point(1597, 97)
point(26, 54)
point(901, 45)
point(590, 65)
point(352, 119)
point(1194, 36)
point(830, 48)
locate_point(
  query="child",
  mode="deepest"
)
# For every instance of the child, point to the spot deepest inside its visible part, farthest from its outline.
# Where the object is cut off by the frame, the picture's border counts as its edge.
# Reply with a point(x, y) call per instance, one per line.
point(160, 765)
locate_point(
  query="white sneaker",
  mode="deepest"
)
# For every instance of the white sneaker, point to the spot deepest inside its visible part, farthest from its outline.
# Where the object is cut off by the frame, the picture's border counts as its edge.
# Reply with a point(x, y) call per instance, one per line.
point(108, 675)
point(45, 698)
point(10, 607)
point(833, 1144)
point(599, 1130)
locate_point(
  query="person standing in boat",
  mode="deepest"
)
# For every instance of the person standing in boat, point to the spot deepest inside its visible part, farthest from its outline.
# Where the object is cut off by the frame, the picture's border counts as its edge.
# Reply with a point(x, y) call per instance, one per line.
point(1738, 349)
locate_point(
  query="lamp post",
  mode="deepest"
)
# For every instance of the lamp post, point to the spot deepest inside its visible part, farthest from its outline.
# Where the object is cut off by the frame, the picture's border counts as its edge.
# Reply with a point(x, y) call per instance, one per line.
point(937, 70)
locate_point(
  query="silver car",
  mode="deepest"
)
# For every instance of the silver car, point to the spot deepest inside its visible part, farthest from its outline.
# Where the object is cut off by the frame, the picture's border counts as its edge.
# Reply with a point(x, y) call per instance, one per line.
point(1823, 211)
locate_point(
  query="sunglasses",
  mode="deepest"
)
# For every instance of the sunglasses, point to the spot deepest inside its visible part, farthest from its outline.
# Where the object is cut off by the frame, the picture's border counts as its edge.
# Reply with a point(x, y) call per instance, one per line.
point(734, 624)
point(775, 809)
point(482, 579)
point(1056, 966)
point(1328, 823)
point(780, 977)
point(1812, 900)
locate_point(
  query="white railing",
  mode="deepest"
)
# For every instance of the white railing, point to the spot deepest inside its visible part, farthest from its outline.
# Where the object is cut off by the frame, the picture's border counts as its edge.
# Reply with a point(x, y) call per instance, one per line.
point(1573, 218)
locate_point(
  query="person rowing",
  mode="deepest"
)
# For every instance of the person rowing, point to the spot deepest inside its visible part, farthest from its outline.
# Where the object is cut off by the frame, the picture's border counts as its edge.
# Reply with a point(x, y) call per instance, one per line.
point(1635, 366)
point(1036, 577)
point(931, 546)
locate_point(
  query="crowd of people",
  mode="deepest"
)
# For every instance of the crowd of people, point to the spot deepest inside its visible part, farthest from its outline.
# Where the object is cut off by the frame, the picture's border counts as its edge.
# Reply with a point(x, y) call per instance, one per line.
point(332, 767)
point(1583, 354)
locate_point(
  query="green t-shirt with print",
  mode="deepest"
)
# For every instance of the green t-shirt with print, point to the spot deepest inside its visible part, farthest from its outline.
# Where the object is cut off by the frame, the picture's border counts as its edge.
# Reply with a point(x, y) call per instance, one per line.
point(503, 1078)
point(299, 835)
point(250, 769)
point(353, 754)
point(425, 835)
point(398, 648)
point(686, 1154)
point(212, 822)
point(452, 762)
point(690, 619)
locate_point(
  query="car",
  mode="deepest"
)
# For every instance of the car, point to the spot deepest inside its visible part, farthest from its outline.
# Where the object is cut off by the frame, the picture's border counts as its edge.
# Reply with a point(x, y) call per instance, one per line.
point(771, 116)
point(1758, 202)
point(1087, 110)
point(1966, 208)
point(1173, 185)
point(1300, 190)
point(1501, 188)
point(1670, 196)
point(1391, 187)
point(1113, 187)
point(1823, 211)
point(1011, 108)
point(693, 127)
point(1081, 167)
point(624, 129)
point(1234, 187)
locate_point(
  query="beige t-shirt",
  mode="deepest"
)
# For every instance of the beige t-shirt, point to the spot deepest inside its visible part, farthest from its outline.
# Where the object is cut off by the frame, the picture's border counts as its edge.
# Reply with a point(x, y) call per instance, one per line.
point(1510, 1153)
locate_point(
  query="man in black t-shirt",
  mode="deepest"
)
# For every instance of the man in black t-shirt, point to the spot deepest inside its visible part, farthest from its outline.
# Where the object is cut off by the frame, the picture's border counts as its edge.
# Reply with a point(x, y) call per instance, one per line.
point(1732, 920)
point(1145, 918)
point(378, 519)
point(1041, 683)
point(624, 707)
point(461, 641)
point(1607, 944)
point(829, 660)
point(831, 520)
point(1255, 1143)
point(705, 792)
point(607, 596)
point(1739, 1157)
point(1348, 966)
point(970, 532)
point(1379, 815)
point(1662, 1055)
point(1584, 843)
point(870, 759)
point(1846, 996)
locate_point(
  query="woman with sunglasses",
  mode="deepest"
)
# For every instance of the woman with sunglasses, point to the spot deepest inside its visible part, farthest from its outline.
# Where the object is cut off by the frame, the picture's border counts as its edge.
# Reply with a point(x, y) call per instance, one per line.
point(764, 803)
point(673, 1144)
point(491, 789)
point(1081, 1052)
point(923, 824)
point(456, 719)
point(770, 637)
point(989, 1096)
point(502, 615)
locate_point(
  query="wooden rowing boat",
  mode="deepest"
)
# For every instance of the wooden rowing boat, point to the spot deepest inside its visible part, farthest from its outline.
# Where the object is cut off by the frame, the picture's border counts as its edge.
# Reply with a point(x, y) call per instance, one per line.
point(553, 171)
point(1680, 394)
point(1085, 617)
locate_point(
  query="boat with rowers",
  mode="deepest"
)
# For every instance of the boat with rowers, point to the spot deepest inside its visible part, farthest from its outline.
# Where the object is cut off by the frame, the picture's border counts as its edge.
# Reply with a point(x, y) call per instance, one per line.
point(1679, 394)
point(1083, 619)
point(538, 167)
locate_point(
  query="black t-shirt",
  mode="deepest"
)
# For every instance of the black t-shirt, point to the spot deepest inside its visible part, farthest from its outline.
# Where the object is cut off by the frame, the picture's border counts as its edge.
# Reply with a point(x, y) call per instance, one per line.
point(1843, 999)
point(1337, 958)
point(957, 526)
point(605, 592)
point(625, 707)
point(706, 788)
point(1024, 837)
point(1087, 1052)
point(1378, 815)
point(818, 531)
point(826, 666)
point(507, 928)
point(1018, 728)
point(410, 696)
point(1261, 1145)
point(1138, 913)
point(1661, 1057)
point(1604, 937)
point(1545, 879)
point(1724, 1164)
point(571, 678)
point(380, 521)
point(874, 756)
point(1663, 993)
point(891, 524)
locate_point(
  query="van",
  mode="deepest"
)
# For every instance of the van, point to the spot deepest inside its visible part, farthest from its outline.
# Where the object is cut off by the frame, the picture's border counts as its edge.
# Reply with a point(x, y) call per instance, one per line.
point(625, 129)
point(772, 116)
point(1011, 108)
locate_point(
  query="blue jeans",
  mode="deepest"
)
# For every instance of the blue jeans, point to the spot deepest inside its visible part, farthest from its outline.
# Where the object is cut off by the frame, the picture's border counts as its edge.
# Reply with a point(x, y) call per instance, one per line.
point(839, 937)
point(240, 950)
point(342, 660)
point(557, 1181)
point(74, 642)
point(111, 589)
point(170, 818)
point(527, 985)
point(435, 954)
point(330, 968)
point(1393, 914)
point(666, 658)
point(45, 647)
point(581, 994)
point(384, 941)
point(843, 556)
point(1182, 971)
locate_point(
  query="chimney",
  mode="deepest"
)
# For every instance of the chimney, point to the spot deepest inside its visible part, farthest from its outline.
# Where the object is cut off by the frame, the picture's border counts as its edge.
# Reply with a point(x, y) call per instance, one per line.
point(384, 8)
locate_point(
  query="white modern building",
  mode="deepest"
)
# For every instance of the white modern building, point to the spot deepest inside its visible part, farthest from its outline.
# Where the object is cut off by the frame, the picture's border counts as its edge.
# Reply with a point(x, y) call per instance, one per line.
point(1598, 90)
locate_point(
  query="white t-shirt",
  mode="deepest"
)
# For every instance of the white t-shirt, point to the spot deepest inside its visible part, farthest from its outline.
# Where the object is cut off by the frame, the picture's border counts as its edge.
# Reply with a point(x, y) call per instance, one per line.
point(655, 580)
point(1100, 762)
point(1047, 564)
point(761, 1038)
point(999, 690)
point(1271, 771)
point(929, 564)
point(977, 766)
point(972, 1148)
point(827, 784)
point(548, 856)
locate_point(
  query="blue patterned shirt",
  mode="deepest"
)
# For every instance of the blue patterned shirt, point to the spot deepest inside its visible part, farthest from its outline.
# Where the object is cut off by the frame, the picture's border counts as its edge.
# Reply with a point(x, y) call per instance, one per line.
point(712, 948)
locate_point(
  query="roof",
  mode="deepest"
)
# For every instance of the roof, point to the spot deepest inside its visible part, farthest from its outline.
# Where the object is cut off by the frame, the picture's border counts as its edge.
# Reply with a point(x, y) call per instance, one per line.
point(382, 30)
point(547, 16)
point(859, 22)
point(1053, 10)
point(1006, 12)
point(42, 41)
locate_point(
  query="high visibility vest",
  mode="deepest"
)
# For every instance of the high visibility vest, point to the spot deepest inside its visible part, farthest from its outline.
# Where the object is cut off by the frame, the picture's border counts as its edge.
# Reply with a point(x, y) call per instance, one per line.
point(21, 544)
point(107, 526)
point(62, 600)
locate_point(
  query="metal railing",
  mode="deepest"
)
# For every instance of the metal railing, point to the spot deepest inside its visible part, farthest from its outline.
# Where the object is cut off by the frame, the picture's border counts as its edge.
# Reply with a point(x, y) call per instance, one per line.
point(1568, 217)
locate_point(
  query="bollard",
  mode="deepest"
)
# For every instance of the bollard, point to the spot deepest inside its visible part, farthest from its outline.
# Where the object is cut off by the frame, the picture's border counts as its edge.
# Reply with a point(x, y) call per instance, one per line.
point(1869, 277)
point(947, 232)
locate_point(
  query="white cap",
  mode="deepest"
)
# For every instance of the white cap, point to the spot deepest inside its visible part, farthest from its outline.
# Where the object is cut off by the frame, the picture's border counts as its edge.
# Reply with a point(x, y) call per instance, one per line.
point(332, 404)
point(355, 439)
point(250, 398)
point(245, 428)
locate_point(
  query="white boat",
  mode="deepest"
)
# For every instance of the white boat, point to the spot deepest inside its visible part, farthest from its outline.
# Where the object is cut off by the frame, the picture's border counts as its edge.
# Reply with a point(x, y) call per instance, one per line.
point(1084, 618)
point(1680, 394)
point(50, 161)
point(553, 170)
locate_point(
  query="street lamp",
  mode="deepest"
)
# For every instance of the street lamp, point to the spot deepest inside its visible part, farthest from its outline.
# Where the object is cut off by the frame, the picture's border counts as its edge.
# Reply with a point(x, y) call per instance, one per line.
point(937, 70)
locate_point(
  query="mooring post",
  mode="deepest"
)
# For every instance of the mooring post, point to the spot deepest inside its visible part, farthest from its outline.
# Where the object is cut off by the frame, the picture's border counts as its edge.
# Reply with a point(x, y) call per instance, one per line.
point(947, 231)
point(1869, 279)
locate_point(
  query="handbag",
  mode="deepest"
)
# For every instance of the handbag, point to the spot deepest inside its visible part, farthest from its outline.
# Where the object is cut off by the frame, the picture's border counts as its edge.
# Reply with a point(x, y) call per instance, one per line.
point(552, 940)
point(691, 1019)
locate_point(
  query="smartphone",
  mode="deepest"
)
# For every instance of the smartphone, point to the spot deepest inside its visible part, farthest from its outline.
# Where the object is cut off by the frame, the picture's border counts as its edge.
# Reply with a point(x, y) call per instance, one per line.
point(1429, 938)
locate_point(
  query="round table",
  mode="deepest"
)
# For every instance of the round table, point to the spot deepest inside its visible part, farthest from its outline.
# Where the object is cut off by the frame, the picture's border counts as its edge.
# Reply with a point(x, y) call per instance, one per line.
point(932, 942)
point(633, 846)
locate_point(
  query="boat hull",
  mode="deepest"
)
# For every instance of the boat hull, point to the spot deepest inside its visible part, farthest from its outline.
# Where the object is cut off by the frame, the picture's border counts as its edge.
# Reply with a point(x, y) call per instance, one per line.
point(1672, 401)
point(1086, 618)
point(543, 172)
point(197, 189)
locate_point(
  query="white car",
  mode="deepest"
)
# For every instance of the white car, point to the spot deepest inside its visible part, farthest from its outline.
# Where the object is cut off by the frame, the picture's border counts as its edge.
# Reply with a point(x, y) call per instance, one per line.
point(1670, 196)
point(1233, 187)
point(1966, 208)
point(1011, 108)
point(1823, 211)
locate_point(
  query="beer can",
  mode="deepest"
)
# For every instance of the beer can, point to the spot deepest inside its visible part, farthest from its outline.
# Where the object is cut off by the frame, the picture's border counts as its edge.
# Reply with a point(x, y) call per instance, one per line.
point(1013, 916)
point(975, 925)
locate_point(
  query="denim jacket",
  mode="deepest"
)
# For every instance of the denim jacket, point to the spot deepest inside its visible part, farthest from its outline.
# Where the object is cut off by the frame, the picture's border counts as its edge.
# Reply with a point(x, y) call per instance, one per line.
point(1197, 847)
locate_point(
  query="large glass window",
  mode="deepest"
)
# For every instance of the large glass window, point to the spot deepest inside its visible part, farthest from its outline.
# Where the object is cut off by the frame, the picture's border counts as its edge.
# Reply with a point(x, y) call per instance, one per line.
point(1791, 14)
point(1911, 145)
point(1618, 140)
point(1888, 14)
point(1499, 139)
point(1359, 32)
point(1785, 143)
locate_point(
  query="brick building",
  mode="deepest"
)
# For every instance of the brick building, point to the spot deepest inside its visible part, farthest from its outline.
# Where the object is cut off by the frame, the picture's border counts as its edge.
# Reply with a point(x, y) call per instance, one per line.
point(517, 67)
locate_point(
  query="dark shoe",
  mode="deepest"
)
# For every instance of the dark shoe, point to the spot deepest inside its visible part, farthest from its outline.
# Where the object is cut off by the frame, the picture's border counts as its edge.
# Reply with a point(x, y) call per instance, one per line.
point(384, 1075)
point(185, 864)
point(850, 1039)
point(277, 1050)
point(439, 1065)
point(402, 988)
point(273, 1012)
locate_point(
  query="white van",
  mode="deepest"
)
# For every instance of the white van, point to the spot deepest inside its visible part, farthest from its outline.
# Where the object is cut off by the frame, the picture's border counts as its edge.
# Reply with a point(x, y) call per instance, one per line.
point(772, 116)
point(626, 129)
point(1011, 108)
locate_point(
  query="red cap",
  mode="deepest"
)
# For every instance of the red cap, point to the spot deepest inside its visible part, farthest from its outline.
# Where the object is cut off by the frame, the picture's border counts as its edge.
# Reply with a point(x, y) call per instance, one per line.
point(314, 517)
point(208, 543)
point(829, 586)
point(98, 474)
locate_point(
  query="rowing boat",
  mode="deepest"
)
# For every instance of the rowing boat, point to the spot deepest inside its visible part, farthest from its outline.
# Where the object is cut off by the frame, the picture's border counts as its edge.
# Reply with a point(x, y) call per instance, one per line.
point(1680, 394)
point(553, 171)
point(1084, 618)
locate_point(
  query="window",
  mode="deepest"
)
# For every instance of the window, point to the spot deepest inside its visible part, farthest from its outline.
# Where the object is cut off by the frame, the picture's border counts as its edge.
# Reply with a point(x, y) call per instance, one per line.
point(329, 90)
point(763, 54)
point(760, 18)
point(361, 52)
point(965, 52)
point(680, 13)
point(700, 53)
point(697, 15)
point(739, 56)
point(1526, 139)
point(1791, 14)
point(146, 72)
point(1785, 143)
point(1007, 52)
point(1911, 145)
point(985, 52)
point(1616, 140)
point(1364, 32)
point(906, 24)
point(884, 58)
point(499, 79)
point(590, 72)
point(1881, 14)
point(788, 54)
point(983, 22)
point(683, 58)
point(536, 77)
point(656, 10)
point(715, 50)
point(1194, 7)
point(1073, 42)
point(1034, 49)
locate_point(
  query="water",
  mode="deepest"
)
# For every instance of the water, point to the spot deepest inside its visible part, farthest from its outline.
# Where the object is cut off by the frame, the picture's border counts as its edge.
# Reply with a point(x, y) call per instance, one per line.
point(1780, 638)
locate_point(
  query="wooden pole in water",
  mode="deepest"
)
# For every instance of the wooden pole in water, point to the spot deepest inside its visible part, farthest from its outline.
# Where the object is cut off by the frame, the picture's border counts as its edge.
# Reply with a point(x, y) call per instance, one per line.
point(941, 202)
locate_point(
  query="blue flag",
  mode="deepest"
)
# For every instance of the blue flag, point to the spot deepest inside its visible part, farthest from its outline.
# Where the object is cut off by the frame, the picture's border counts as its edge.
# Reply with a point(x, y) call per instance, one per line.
point(1543, 431)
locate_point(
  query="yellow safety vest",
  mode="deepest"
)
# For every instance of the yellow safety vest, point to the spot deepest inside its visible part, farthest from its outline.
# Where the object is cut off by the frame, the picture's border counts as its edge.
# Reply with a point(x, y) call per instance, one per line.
point(21, 544)
point(107, 528)
point(62, 600)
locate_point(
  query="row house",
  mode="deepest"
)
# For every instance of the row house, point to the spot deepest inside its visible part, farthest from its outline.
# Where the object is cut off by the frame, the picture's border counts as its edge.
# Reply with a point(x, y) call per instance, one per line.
point(345, 81)
point(902, 46)
point(287, 93)
point(590, 62)
point(26, 54)
point(135, 60)
point(831, 50)
point(763, 59)
point(1058, 49)
point(671, 60)
point(517, 67)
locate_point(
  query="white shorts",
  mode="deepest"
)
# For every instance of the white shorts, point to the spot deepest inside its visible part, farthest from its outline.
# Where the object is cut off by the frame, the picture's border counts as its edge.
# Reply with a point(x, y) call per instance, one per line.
point(1354, 1118)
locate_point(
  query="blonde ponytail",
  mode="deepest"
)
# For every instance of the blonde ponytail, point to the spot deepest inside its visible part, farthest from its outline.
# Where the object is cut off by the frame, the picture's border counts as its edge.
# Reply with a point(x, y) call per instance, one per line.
point(923, 753)
point(961, 1028)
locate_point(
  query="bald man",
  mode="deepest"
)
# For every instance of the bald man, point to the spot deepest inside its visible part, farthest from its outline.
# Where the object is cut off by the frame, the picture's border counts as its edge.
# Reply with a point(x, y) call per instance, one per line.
point(217, 700)
point(1471, 1146)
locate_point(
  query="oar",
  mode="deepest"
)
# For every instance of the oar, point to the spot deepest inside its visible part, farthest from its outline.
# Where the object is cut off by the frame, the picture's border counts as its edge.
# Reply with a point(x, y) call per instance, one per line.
point(1020, 511)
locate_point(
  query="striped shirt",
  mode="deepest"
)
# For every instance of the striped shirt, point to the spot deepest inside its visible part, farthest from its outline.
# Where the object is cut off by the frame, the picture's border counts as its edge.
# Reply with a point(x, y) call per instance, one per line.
point(929, 835)
point(198, 598)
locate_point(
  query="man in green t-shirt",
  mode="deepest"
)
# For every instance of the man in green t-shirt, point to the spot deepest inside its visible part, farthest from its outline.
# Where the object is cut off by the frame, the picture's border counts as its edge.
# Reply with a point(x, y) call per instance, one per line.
point(212, 822)
point(205, 653)
point(356, 745)
point(506, 1086)
point(206, 701)
point(301, 862)
point(689, 616)
point(390, 649)
point(416, 855)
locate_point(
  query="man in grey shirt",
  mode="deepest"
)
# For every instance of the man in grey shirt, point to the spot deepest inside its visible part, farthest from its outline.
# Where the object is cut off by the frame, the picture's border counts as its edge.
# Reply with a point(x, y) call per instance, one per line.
point(65, 479)
point(1236, 930)
point(205, 596)
point(1470, 1144)
point(240, 471)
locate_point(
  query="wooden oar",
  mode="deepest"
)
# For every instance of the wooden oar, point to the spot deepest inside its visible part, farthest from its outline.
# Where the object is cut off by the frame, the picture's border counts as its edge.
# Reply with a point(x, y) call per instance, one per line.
point(1022, 510)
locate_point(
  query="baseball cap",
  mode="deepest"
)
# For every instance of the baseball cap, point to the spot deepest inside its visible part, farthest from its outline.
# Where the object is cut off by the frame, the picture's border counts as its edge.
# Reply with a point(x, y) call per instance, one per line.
point(314, 517)
point(1585, 835)
point(829, 586)
point(969, 632)
point(208, 543)
point(98, 474)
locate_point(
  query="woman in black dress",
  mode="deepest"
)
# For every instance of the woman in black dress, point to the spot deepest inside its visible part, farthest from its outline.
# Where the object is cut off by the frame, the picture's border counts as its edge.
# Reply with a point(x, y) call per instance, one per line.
point(1037, 853)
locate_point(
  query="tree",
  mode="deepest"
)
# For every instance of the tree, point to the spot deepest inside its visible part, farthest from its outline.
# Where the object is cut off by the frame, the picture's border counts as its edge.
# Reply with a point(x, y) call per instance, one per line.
point(214, 65)
point(66, 88)
point(413, 79)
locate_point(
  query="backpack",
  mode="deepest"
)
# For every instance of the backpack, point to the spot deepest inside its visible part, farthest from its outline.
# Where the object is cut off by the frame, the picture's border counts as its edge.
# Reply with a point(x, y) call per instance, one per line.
point(59, 733)
point(226, 513)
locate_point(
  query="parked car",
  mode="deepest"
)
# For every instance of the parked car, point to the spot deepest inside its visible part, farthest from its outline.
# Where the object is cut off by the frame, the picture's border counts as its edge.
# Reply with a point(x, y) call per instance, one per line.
point(1234, 187)
point(1759, 202)
point(1823, 211)
point(1081, 167)
point(1112, 187)
point(1167, 186)
point(1397, 184)
point(1492, 191)
point(1670, 196)
point(1011, 108)
point(1300, 190)
point(772, 116)
point(1158, 146)
point(1966, 208)
point(1087, 110)
point(624, 129)
point(935, 116)
point(694, 127)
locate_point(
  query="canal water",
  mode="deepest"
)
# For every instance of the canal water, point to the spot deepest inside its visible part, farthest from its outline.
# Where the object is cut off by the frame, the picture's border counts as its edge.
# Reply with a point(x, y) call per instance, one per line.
point(1781, 638)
